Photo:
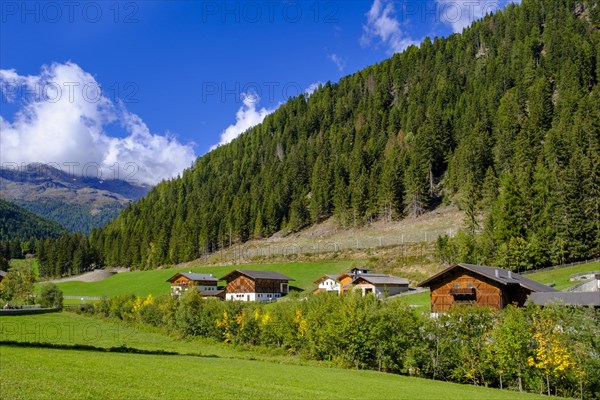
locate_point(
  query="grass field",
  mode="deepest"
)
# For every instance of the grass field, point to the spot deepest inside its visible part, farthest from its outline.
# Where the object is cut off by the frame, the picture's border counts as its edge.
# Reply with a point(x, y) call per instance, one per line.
point(70, 374)
point(560, 277)
point(226, 372)
point(421, 301)
point(72, 330)
point(142, 283)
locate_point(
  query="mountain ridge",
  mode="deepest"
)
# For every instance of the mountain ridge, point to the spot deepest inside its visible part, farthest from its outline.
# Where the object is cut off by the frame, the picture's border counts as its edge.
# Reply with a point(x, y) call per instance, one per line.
point(79, 203)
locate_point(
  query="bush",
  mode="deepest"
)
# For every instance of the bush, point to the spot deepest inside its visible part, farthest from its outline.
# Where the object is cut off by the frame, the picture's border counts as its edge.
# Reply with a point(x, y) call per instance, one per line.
point(51, 296)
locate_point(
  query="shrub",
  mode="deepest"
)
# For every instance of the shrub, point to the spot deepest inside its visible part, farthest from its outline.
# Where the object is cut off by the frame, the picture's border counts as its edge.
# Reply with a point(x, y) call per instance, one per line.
point(51, 296)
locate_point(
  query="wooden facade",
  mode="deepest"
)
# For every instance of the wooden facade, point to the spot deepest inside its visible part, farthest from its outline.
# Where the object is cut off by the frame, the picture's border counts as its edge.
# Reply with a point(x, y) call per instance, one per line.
point(185, 281)
point(465, 288)
point(244, 284)
point(465, 284)
point(345, 281)
point(247, 285)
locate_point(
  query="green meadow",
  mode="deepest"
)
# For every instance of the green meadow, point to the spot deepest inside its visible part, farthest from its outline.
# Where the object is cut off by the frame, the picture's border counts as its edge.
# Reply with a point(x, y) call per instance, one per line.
point(202, 369)
point(561, 277)
point(142, 283)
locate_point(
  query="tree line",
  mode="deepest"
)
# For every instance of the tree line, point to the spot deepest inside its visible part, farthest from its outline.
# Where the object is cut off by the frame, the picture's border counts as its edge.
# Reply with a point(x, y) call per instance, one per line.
point(502, 120)
point(552, 350)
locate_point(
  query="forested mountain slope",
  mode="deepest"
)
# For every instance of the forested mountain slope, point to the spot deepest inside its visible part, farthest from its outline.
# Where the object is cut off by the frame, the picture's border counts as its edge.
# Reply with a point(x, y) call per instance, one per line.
point(18, 223)
point(503, 119)
point(79, 203)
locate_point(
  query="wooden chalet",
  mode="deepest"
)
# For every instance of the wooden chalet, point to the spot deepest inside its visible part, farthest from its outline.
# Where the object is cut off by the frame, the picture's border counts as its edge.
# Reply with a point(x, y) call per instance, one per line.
point(484, 286)
point(247, 285)
point(205, 284)
point(380, 286)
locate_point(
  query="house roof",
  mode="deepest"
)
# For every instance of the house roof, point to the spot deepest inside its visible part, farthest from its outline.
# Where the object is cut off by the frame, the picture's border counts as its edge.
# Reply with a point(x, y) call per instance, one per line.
point(193, 277)
point(354, 276)
point(382, 280)
point(258, 275)
point(359, 269)
point(327, 276)
point(565, 298)
point(499, 275)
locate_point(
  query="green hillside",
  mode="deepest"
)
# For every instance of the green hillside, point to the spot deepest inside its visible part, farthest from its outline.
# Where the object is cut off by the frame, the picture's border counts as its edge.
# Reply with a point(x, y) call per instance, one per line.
point(19, 223)
point(501, 120)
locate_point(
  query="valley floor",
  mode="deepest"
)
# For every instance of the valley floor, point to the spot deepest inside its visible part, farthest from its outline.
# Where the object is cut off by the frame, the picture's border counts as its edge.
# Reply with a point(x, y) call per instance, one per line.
point(216, 371)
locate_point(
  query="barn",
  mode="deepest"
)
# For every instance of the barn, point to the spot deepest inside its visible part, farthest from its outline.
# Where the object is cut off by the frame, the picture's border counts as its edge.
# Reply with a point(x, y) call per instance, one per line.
point(205, 284)
point(470, 284)
point(247, 285)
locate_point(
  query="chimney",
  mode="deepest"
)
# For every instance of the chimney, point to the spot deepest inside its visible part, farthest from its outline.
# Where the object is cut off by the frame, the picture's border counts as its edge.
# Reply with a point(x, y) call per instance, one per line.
point(497, 273)
point(510, 275)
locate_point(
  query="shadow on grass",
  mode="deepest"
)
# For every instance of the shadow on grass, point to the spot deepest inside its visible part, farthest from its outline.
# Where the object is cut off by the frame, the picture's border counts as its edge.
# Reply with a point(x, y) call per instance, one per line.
point(114, 349)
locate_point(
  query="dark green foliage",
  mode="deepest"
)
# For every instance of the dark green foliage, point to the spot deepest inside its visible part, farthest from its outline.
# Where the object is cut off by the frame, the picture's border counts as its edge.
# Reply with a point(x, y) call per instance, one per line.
point(50, 296)
point(502, 120)
point(74, 217)
point(18, 223)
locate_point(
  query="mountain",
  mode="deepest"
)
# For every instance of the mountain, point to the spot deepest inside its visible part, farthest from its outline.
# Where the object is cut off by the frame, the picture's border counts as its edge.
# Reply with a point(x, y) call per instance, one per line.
point(78, 203)
point(502, 120)
point(19, 223)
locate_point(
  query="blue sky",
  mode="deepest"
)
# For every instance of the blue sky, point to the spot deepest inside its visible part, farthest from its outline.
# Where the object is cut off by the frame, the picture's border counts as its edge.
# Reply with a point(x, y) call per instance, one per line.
point(177, 78)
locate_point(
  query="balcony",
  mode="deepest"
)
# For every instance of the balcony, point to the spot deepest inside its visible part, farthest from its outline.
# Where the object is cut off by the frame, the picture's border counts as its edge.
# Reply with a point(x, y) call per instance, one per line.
point(462, 291)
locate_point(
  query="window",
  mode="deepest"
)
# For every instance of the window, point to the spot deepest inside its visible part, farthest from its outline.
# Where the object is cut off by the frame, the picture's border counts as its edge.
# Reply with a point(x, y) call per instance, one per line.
point(456, 285)
point(470, 285)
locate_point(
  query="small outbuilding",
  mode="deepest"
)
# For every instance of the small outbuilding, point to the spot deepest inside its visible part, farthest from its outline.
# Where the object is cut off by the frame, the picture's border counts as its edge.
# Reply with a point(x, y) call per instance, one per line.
point(470, 284)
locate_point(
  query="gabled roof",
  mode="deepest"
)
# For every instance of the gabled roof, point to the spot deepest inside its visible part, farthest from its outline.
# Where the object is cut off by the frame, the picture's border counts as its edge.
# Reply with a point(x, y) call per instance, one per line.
point(499, 275)
point(354, 276)
point(381, 280)
point(258, 275)
point(327, 276)
point(565, 298)
point(193, 277)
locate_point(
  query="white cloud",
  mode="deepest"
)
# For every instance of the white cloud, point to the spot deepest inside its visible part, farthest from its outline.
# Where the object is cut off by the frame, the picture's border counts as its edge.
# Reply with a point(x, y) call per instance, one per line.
point(339, 62)
point(63, 118)
point(383, 28)
point(459, 14)
point(246, 117)
point(312, 87)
